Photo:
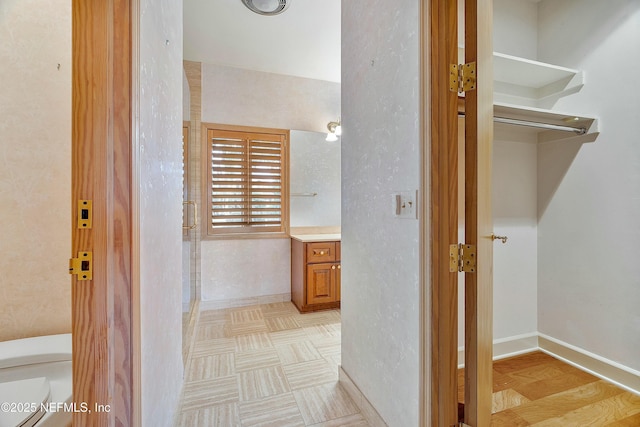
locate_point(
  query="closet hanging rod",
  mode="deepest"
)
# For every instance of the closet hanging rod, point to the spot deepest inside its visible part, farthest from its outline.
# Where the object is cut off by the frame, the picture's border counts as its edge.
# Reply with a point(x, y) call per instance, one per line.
point(579, 131)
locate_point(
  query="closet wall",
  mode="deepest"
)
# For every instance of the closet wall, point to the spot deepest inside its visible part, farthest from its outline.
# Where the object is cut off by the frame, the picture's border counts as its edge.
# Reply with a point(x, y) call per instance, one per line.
point(589, 195)
point(514, 190)
point(569, 270)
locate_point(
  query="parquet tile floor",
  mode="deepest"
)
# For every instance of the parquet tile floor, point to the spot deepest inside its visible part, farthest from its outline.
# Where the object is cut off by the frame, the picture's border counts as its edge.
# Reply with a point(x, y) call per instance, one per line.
point(536, 389)
point(266, 365)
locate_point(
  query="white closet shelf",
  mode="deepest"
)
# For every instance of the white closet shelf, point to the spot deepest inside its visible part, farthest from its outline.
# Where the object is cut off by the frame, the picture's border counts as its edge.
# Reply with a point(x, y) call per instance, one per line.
point(549, 117)
point(529, 81)
point(522, 86)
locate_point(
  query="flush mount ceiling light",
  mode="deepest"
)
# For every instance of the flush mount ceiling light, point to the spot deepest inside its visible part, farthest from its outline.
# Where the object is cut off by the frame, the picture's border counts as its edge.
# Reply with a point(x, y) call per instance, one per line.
point(267, 7)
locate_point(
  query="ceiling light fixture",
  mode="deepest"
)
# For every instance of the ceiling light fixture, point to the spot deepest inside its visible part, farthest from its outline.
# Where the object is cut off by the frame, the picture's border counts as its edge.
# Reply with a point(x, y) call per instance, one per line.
point(267, 7)
point(335, 130)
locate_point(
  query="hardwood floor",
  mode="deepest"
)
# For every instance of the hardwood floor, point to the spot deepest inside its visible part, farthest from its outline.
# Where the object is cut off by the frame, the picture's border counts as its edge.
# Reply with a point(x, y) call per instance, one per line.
point(266, 365)
point(536, 389)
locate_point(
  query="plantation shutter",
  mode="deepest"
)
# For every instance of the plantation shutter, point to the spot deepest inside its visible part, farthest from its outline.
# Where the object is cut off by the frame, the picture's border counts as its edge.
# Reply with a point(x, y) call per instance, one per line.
point(247, 182)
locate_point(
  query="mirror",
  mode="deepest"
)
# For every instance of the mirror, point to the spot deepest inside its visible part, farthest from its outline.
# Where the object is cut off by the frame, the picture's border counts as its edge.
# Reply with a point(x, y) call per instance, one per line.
point(314, 180)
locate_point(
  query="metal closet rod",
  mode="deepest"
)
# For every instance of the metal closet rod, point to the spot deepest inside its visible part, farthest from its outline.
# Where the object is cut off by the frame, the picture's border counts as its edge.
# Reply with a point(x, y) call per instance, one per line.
point(579, 131)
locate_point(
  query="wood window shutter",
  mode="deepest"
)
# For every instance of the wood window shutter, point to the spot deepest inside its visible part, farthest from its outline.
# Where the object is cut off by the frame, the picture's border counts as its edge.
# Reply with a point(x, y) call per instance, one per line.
point(247, 182)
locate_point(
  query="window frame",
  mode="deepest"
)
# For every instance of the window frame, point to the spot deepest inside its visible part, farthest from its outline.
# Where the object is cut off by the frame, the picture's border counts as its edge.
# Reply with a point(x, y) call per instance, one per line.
point(245, 232)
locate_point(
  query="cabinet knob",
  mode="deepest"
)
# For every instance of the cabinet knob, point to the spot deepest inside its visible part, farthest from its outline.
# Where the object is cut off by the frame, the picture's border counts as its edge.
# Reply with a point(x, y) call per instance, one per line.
point(333, 267)
point(338, 266)
point(321, 252)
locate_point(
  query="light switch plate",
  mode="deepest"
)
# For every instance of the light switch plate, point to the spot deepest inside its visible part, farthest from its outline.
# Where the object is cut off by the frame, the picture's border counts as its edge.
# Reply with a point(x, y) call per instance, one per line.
point(405, 204)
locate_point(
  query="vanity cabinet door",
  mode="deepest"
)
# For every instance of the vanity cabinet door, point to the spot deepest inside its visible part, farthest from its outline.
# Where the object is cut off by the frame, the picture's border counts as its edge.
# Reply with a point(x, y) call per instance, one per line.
point(321, 283)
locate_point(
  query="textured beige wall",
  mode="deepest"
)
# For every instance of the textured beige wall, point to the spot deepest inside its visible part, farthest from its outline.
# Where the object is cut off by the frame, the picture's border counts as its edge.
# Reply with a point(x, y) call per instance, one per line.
point(35, 171)
point(380, 155)
point(160, 154)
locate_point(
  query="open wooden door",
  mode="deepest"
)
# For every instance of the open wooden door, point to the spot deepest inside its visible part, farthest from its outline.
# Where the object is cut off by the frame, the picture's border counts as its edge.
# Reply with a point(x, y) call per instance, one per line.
point(443, 37)
point(103, 201)
point(478, 215)
point(478, 103)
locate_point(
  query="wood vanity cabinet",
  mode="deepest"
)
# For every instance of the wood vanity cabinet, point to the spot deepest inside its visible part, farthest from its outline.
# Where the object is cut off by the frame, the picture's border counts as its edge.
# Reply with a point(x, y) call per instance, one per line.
point(315, 275)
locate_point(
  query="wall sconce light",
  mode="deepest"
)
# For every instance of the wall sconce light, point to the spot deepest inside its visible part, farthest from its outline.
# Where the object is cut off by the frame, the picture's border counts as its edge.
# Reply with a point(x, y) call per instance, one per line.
point(335, 130)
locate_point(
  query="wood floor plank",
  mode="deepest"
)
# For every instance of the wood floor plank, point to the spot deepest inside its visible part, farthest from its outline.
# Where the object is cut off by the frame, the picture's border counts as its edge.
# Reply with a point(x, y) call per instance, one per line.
point(632, 421)
point(502, 381)
point(559, 404)
point(547, 371)
point(506, 399)
point(508, 418)
point(549, 386)
point(524, 361)
point(598, 413)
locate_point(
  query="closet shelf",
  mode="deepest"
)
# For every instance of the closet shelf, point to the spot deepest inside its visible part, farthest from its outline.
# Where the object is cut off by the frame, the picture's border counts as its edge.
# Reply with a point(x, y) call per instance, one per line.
point(521, 87)
point(529, 82)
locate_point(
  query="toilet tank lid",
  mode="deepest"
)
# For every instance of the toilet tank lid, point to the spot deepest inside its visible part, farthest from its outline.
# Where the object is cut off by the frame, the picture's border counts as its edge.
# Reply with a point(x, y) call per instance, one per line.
point(30, 351)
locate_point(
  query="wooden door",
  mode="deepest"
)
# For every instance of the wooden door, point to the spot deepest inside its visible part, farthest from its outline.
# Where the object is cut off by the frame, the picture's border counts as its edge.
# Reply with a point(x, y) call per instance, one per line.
point(443, 29)
point(103, 172)
point(443, 111)
point(478, 215)
point(321, 283)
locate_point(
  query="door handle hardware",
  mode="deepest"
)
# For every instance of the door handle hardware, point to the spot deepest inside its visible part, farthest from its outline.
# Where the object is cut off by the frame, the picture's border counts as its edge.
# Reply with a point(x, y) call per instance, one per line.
point(503, 238)
point(82, 266)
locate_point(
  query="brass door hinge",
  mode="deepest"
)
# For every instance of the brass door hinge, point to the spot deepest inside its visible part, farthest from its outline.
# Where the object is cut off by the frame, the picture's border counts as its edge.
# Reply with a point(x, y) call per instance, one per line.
point(462, 258)
point(82, 266)
point(462, 77)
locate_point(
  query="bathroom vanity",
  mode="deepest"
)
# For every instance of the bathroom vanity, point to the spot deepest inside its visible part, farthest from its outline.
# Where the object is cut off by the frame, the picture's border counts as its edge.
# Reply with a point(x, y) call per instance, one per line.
point(315, 271)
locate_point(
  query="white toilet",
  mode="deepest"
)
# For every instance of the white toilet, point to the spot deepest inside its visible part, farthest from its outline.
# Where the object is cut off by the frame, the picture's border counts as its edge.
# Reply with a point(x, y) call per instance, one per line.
point(35, 382)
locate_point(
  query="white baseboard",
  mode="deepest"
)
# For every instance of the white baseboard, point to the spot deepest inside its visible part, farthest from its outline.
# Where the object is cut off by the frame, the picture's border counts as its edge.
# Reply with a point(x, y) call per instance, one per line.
point(606, 369)
point(366, 408)
point(243, 302)
point(508, 347)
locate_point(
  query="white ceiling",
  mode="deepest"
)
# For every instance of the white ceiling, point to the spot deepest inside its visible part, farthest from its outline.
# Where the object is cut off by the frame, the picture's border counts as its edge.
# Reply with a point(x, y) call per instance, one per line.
point(303, 41)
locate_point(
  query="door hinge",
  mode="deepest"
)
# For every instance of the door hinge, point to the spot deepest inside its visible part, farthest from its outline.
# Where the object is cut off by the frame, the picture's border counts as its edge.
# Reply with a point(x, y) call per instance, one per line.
point(462, 77)
point(462, 258)
point(82, 266)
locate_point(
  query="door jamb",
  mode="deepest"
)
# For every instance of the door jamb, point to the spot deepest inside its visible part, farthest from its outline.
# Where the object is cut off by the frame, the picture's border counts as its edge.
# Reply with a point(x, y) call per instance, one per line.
point(438, 392)
point(442, 155)
point(105, 310)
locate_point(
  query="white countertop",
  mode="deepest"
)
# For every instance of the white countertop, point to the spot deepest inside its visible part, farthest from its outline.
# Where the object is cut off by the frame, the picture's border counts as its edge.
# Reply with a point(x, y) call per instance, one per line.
point(325, 237)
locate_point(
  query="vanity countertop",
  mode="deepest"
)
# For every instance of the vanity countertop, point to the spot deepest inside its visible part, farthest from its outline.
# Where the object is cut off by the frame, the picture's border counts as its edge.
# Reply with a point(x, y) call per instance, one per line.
point(324, 237)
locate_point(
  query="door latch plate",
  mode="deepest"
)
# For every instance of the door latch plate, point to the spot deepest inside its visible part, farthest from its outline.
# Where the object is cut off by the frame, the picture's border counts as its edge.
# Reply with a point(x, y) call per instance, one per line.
point(85, 214)
point(82, 266)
